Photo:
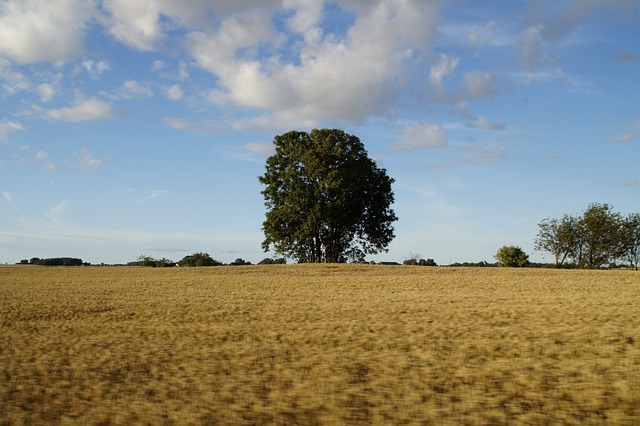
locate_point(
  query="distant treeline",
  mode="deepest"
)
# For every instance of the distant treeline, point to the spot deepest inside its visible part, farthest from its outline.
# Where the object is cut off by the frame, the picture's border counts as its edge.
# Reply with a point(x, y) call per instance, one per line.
point(195, 260)
point(54, 261)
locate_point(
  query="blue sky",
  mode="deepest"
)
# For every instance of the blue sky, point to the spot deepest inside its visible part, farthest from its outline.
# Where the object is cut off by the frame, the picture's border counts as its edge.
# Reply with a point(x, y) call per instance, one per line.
point(132, 127)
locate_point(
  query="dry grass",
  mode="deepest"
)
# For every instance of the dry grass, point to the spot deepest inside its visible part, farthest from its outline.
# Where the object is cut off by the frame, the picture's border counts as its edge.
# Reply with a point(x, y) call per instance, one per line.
point(299, 344)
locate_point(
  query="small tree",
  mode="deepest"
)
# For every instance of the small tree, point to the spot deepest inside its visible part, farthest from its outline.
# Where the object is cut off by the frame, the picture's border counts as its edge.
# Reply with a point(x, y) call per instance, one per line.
point(631, 239)
point(512, 256)
point(199, 259)
point(271, 261)
point(558, 237)
point(601, 230)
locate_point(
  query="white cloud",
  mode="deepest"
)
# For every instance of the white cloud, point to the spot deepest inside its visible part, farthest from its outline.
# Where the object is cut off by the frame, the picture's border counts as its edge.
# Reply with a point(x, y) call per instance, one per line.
point(445, 67)
point(83, 110)
point(331, 76)
point(421, 135)
point(174, 92)
point(135, 22)
point(7, 127)
point(94, 68)
point(46, 91)
point(41, 155)
point(34, 30)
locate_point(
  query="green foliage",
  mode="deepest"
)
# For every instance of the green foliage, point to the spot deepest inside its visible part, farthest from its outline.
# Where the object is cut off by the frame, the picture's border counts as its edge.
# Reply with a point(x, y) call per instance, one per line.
point(54, 261)
point(594, 239)
point(271, 261)
point(326, 200)
point(240, 262)
point(512, 256)
point(199, 259)
point(416, 260)
point(558, 237)
point(630, 239)
point(153, 263)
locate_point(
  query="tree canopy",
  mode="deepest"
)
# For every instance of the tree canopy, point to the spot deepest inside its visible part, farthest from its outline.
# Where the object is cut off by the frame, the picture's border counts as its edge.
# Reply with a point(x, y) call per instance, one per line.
point(593, 239)
point(326, 200)
point(512, 256)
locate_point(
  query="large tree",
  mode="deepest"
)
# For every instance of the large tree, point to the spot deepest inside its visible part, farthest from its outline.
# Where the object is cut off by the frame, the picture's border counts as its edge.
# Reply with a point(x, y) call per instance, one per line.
point(326, 200)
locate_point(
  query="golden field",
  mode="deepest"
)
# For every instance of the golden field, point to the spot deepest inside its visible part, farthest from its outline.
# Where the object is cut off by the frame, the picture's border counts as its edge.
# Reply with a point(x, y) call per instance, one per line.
point(318, 344)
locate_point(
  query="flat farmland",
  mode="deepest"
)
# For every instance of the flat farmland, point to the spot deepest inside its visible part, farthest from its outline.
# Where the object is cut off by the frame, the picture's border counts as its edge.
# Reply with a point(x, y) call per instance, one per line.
point(318, 344)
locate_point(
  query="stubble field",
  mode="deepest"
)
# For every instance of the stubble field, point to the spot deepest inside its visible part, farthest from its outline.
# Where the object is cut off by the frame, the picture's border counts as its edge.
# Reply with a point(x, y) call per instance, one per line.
point(309, 344)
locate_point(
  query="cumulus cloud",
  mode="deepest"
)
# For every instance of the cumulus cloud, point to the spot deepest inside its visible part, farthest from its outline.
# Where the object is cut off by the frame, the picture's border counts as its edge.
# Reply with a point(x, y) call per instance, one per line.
point(94, 68)
point(33, 30)
point(421, 135)
point(84, 110)
point(330, 76)
point(134, 22)
point(7, 127)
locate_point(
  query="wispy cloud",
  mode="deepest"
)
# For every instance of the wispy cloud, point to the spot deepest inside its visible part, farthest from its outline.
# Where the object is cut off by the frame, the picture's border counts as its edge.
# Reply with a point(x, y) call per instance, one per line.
point(7, 127)
point(260, 148)
point(85, 162)
point(625, 137)
point(152, 195)
point(421, 135)
point(180, 124)
point(55, 213)
point(132, 89)
point(174, 92)
point(631, 183)
point(9, 199)
point(482, 122)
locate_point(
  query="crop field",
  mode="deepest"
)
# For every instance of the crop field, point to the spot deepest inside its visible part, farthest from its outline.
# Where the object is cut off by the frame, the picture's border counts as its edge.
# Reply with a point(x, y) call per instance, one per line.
point(318, 344)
